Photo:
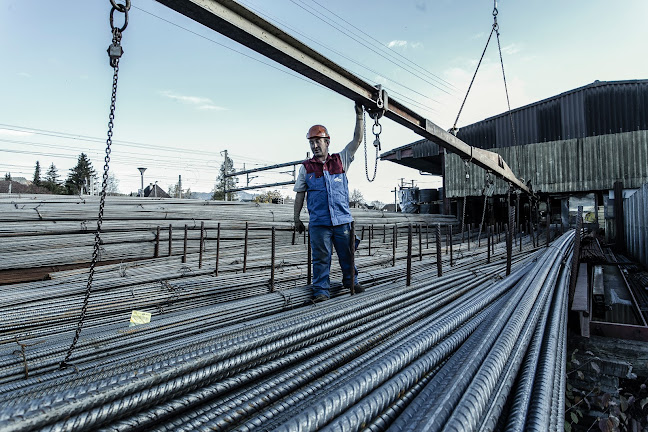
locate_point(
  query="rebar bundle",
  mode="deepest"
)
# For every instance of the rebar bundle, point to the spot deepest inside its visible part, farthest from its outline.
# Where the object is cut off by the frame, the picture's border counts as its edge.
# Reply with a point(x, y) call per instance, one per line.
point(243, 348)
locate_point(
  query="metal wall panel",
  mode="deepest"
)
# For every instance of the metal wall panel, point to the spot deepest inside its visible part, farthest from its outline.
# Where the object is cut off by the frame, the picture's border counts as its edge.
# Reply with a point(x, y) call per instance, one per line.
point(574, 165)
point(635, 219)
point(600, 108)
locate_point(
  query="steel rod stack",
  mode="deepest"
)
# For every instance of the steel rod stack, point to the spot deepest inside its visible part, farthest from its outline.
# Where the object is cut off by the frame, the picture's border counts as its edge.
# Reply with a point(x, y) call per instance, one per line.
point(267, 361)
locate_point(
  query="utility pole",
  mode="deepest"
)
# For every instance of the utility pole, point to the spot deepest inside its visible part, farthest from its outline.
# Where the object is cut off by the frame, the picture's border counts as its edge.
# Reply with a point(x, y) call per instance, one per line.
point(395, 200)
point(225, 178)
point(180, 186)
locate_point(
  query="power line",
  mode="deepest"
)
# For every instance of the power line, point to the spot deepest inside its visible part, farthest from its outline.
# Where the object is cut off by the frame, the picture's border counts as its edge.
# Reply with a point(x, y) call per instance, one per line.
point(384, 47)
point(369, 47)
point(232, 49)
point(419, 104)
point(157, 148)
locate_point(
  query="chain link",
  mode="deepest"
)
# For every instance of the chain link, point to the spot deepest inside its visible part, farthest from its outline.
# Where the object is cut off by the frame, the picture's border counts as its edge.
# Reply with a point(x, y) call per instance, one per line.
point(364, 125)
point(102, 200)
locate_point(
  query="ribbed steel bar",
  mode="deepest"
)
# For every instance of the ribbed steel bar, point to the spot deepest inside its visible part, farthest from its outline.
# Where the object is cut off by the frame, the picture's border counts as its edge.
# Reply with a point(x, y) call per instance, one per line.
point(448, 407)
point(229, 354)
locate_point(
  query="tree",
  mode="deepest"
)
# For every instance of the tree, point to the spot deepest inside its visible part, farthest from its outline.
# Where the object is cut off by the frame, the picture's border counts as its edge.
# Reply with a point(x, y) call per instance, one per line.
point(8, 176)
point(356, 197)
point(188, 194)
point(269, 197)
point(78, 180)
point(378, 205)
point(112, 185)
point(52, 180)
point(37, 174)
point(225, 183)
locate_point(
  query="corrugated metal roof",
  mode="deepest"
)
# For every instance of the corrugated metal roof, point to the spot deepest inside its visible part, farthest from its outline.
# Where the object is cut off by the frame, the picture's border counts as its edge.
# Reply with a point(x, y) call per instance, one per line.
point(600, 108)
point(573, 165)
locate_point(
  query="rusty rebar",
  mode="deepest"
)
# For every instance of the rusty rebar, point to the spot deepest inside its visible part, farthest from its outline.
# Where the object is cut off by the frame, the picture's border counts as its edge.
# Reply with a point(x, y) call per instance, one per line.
point(156, 250)
point(202, 241)
point(409, 255)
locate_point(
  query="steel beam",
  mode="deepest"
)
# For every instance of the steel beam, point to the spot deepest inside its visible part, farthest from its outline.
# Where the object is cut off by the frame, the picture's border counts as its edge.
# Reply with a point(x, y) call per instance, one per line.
point(286, 183)
point(265, 168)
point(242, 25)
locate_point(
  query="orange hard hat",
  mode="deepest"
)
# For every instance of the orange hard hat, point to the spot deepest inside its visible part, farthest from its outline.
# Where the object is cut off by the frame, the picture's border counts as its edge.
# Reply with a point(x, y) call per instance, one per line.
point(317, 131)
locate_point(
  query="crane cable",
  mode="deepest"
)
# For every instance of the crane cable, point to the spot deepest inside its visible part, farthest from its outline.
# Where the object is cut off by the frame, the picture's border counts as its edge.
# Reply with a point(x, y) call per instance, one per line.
point(115, 52)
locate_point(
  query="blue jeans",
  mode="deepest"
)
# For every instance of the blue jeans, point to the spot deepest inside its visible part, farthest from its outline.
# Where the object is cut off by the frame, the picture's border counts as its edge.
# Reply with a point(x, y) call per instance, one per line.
point(322, 240)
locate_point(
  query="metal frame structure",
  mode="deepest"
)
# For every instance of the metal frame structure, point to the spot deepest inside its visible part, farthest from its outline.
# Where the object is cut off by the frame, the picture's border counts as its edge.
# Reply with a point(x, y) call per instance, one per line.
point(254, 170)
point(242, 25)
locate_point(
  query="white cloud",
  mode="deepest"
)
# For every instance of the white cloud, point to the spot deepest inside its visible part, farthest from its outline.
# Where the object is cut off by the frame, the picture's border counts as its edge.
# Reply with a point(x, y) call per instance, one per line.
point(404, 44)
point(24, 74)
point(201, 103)
point(478, 35)
point(397, 43)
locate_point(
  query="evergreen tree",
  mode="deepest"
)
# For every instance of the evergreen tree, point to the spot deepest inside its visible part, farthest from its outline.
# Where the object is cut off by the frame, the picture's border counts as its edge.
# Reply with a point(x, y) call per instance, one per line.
point(52, 179)
point(225, 183)
point(79, 178)
point(37, 174)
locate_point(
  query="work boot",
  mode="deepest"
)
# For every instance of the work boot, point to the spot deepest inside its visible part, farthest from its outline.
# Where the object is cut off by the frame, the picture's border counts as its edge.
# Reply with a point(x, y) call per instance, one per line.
point(319, 298)
point(357, 288)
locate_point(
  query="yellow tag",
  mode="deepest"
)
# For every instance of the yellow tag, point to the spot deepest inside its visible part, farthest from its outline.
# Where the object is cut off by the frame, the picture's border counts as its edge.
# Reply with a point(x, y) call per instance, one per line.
point(138, 317)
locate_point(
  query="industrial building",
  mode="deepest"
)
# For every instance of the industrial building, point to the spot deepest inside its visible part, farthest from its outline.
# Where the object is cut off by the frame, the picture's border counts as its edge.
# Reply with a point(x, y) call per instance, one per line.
point(577, 144)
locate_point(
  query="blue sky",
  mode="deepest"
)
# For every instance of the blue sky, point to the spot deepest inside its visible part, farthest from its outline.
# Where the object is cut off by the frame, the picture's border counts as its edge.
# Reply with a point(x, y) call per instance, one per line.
point(186, 93)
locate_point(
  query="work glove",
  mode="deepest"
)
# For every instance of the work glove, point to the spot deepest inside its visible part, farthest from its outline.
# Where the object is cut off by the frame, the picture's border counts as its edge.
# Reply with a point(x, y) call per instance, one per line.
point(299, 226)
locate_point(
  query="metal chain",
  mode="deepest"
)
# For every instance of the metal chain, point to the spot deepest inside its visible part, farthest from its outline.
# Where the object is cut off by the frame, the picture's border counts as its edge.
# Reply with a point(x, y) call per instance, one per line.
point(364, 123)
point(114, 51)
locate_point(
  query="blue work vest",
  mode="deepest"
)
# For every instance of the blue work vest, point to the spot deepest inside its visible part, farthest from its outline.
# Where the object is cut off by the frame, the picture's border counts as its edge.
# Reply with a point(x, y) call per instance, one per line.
point(327, 190)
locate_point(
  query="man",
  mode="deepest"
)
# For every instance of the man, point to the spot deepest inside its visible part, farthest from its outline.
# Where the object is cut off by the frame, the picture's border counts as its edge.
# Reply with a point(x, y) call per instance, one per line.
point(323, 180)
